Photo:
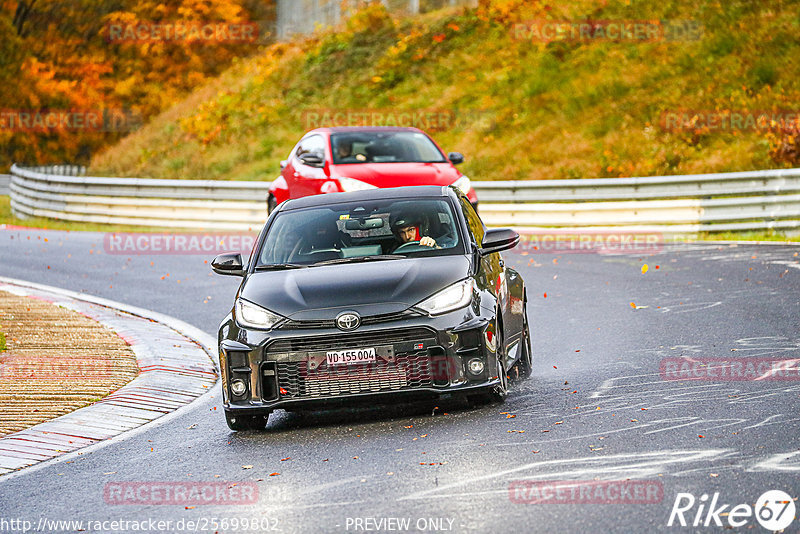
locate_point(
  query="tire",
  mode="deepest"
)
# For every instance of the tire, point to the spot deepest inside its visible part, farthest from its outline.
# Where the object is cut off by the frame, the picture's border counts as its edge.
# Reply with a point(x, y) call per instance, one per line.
point(525, 363)
point(245, 422)
point(271, 204)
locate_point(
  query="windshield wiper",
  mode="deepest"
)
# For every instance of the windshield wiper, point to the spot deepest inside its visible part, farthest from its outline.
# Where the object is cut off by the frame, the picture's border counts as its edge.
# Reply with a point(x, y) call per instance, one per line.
point(356, 259)
point(279, 266)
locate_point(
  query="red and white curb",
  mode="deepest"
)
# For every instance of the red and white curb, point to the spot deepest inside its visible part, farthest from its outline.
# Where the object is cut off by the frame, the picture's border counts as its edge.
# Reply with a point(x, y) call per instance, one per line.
point(177, 365)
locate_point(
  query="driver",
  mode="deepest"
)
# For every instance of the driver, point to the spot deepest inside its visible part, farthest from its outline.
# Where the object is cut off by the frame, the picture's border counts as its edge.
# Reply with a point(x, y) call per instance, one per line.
point(405, 228)
point(344, 152)
point(344, 149)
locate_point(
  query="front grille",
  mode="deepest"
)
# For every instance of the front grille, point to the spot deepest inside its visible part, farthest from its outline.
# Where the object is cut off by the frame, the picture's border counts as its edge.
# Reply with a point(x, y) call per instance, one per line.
point(406, 372)
point(331, 323)
point(348, 341)
point(405, 364)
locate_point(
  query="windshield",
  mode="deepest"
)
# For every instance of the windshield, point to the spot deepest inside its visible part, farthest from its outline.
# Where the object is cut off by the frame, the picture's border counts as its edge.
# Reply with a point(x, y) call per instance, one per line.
point(370, 231)
point(384, 147)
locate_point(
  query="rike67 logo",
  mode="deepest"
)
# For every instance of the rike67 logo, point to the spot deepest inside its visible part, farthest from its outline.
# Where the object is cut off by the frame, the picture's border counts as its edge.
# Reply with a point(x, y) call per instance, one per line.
point(774, 510)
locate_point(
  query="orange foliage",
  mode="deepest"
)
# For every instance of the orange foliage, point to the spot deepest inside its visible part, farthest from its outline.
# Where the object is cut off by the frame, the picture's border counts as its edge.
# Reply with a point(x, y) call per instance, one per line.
point(57, 55)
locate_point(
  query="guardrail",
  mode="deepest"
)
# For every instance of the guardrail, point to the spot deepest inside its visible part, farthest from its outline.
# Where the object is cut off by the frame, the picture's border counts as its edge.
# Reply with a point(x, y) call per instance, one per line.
point(754, 200)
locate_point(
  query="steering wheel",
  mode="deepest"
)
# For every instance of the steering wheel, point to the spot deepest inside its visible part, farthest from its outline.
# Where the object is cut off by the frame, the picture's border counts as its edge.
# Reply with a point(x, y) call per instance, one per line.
point(409, 245)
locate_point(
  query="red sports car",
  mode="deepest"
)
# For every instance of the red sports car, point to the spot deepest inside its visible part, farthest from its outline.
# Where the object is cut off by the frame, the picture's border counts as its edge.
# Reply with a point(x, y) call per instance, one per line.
point(334, 160)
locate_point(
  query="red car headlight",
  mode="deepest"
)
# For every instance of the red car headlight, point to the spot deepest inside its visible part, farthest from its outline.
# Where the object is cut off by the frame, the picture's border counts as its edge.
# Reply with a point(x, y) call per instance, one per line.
point(351, 184)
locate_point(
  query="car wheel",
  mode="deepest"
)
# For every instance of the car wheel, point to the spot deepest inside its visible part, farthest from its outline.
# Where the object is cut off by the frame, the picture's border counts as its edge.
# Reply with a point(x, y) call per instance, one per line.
point(499, 392)
point(245, 422)
point(271, 204)
point(525, 363)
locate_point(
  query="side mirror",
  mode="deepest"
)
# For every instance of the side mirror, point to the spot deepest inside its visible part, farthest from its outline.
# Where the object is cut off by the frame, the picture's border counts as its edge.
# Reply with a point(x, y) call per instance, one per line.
point(455, 157)
point(284, 163)
point(312, 160)
point(498, 239)
point(228, 264)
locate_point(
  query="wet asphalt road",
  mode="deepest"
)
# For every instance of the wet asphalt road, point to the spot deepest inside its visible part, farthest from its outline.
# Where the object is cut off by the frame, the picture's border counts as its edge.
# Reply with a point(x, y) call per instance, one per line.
point(597, 407)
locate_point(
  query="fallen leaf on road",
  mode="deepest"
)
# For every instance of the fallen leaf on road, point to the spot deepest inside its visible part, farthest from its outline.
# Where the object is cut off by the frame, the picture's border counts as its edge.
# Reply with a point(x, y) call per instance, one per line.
point(644, 268)
point(274, 474)
point(247, 467)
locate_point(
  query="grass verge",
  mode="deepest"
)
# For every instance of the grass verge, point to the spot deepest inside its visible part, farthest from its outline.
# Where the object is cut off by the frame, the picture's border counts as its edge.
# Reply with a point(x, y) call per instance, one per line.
point(748, 236)
point(520, 107)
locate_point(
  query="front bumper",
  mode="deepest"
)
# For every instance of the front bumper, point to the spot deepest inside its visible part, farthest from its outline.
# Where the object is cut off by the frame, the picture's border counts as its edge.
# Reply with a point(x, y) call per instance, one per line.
point(417, 357)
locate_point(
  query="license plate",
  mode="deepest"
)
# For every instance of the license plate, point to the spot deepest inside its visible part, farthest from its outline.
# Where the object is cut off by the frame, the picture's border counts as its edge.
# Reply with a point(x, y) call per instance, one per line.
point(350, 356)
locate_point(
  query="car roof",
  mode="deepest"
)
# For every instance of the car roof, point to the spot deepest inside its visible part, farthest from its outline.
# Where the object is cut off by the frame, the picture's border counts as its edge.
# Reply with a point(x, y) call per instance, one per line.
point(386, 193)
point(352, 129)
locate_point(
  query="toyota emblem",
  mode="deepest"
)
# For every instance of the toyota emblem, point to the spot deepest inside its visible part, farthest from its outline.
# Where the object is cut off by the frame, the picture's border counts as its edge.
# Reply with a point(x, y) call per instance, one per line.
point(348, 321)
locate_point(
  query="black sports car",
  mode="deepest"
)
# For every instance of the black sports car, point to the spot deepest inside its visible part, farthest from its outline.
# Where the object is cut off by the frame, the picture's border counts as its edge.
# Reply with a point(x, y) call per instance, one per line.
point(371, 296)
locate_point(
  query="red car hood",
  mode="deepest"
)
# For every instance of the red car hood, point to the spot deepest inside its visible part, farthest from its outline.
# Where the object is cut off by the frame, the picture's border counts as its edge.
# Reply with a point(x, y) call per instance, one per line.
point(398, 174)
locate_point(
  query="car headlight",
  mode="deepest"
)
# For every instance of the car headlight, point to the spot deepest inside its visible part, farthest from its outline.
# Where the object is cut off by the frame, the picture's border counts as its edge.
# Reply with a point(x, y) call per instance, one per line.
point(351, 184)
point(253, 316)
point(463, 184)
point(448, 299)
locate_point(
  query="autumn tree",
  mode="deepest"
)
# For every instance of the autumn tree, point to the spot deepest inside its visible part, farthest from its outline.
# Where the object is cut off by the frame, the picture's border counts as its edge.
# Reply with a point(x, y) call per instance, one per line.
point(56, 54)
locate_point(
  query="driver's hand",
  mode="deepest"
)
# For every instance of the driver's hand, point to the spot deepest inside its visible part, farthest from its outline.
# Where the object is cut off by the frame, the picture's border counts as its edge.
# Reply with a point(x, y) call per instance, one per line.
point(427, 242)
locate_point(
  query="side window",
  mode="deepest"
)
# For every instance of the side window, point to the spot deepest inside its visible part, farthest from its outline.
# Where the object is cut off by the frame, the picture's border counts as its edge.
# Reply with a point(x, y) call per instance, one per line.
point(476, 227)
point(314, 144)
